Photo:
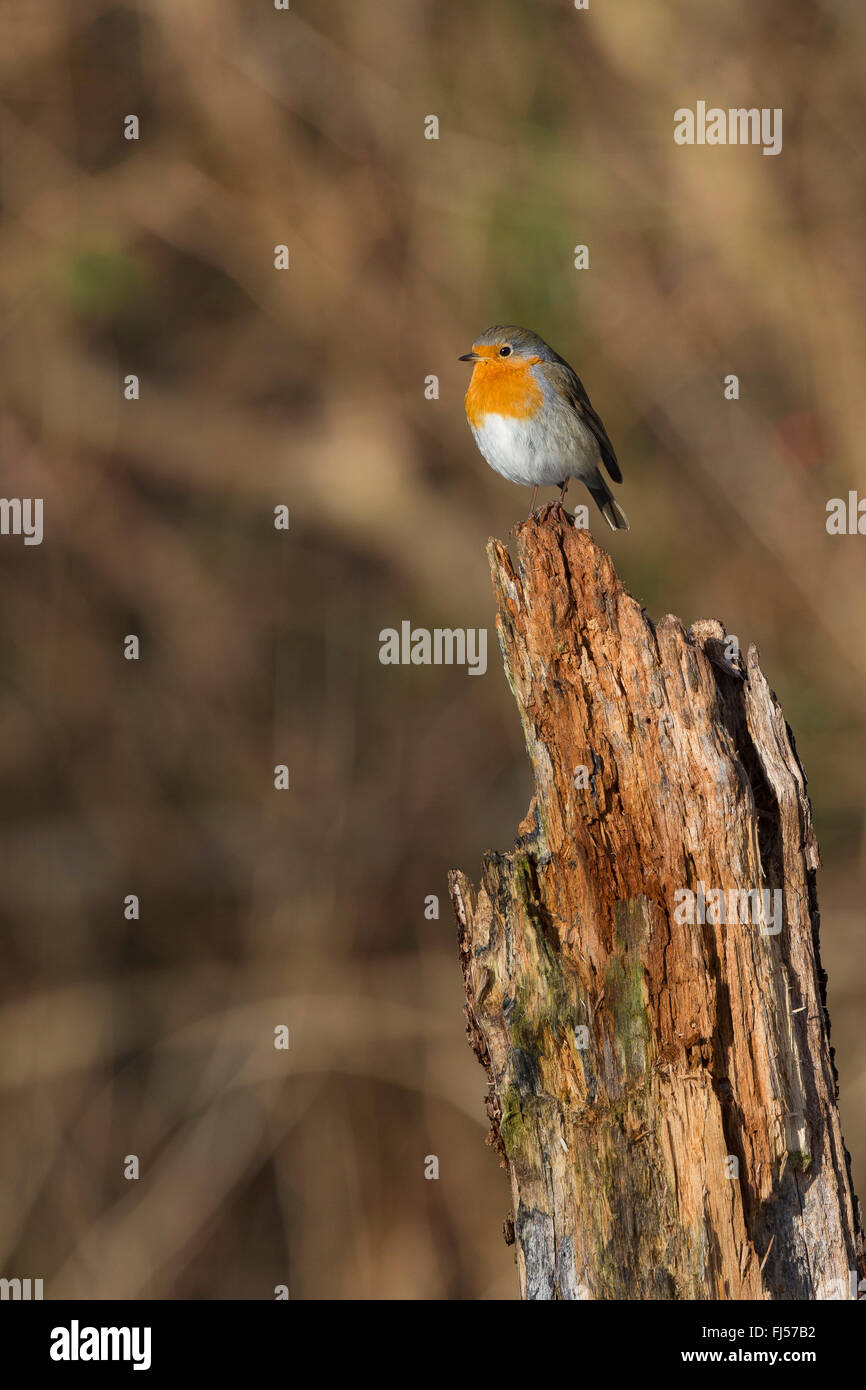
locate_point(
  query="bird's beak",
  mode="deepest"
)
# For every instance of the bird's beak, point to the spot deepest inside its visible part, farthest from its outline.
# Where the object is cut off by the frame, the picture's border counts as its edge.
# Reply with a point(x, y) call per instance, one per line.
point(469, 357)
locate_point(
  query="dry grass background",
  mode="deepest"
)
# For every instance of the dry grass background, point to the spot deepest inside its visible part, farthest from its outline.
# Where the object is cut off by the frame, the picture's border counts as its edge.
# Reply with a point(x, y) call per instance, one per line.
point(306, 387)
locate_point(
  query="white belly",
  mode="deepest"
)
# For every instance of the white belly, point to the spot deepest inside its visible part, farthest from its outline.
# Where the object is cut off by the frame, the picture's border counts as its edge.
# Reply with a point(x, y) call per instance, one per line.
point(524, 453)
point(516, 449)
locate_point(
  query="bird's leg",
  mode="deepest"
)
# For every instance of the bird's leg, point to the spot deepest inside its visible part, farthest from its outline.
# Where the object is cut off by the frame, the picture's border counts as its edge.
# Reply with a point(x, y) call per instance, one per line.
point(532, 503)
point(563, 488)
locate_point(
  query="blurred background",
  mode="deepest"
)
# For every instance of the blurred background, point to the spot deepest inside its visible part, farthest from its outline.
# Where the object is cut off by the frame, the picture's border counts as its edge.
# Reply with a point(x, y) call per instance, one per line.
point(306, 387)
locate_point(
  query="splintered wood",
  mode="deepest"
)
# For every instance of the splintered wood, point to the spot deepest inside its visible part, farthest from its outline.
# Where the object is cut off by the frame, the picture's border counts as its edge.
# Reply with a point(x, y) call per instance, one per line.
point(642, 974)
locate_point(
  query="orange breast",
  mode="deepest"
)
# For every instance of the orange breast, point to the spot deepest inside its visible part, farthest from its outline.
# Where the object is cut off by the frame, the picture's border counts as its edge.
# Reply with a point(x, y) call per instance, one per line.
point(502, 388)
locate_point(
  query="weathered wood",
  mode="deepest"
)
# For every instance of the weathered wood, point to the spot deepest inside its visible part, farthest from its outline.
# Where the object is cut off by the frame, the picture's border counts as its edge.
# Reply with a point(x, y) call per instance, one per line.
point(686, 1144)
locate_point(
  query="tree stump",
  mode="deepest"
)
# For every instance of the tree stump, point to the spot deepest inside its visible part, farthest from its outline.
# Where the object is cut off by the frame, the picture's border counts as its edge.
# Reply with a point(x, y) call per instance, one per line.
point(642, 972)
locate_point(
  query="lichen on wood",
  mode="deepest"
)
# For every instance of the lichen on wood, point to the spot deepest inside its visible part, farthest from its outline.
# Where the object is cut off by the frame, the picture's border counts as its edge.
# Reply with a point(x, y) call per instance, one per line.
point(661, 1087)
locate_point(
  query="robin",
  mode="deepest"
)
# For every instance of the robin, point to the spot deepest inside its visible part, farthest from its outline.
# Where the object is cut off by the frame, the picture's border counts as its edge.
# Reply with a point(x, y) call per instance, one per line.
point(533, 422)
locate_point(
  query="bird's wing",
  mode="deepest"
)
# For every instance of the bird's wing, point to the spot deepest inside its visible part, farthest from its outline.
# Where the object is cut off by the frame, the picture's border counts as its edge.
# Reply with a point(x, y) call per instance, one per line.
point(569, 384)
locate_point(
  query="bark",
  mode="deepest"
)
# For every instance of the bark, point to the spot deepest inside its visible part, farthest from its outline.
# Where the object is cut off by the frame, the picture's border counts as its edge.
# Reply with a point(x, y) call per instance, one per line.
point(661, 1090)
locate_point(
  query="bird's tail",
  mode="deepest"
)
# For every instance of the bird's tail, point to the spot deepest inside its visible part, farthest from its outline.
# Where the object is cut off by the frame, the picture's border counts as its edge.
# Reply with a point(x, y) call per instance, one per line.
point(607, 504)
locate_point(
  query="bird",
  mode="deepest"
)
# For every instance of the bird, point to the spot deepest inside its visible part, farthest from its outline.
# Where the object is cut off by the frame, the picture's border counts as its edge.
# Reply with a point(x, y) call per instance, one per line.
point(533, 422)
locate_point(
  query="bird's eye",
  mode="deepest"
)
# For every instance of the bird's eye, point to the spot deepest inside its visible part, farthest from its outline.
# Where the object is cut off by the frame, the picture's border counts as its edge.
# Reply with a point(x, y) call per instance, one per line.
point(505, 351)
